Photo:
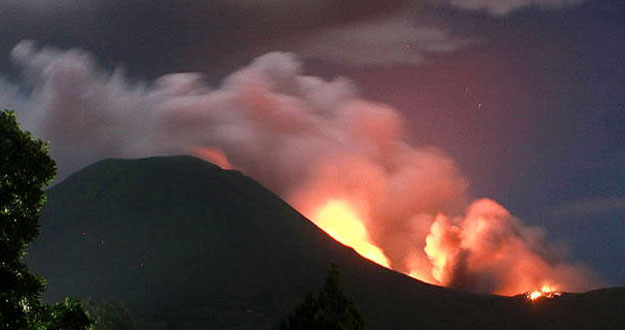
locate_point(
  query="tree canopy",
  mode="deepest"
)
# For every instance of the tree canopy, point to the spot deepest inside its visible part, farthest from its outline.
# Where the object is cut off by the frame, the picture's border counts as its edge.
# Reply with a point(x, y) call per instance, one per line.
point(110, 315)
point(330, 309)
point(25, 170)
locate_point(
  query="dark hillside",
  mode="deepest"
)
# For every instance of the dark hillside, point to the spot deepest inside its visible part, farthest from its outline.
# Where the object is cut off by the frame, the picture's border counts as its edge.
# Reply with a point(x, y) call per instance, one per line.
point(190, 246)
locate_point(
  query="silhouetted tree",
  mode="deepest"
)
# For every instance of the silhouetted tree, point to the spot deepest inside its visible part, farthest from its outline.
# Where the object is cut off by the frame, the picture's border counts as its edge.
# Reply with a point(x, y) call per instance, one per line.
point(330, 309)
point(25, 169)
point(110, 315)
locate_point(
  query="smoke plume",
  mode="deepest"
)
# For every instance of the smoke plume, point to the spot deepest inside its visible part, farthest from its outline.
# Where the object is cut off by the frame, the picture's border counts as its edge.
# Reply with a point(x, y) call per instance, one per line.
point(488, 250)
point(341, 160)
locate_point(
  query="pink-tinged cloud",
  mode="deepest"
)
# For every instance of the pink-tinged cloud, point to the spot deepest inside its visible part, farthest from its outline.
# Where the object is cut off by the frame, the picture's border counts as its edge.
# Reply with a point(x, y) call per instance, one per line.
point(343, 161)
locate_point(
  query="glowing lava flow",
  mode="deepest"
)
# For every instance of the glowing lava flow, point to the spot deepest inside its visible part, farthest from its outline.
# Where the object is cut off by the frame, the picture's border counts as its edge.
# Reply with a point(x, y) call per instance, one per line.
point(545, 292)
point(341, 221)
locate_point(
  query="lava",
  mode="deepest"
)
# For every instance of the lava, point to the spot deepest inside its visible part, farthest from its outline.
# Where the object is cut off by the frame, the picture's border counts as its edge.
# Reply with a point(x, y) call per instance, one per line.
point(342, 222)
point(460, 251)
point(547, 291)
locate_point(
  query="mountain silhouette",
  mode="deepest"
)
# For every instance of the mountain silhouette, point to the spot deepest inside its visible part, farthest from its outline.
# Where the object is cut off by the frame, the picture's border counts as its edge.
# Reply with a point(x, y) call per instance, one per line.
point(187, 245)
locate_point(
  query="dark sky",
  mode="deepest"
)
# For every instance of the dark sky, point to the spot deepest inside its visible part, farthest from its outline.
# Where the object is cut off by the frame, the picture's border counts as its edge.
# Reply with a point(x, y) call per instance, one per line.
point(529, 100)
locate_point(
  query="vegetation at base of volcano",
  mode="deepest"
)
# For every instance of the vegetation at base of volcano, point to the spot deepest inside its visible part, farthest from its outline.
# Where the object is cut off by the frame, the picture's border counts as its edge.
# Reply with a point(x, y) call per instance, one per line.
point(25, 169)
point(329, 309)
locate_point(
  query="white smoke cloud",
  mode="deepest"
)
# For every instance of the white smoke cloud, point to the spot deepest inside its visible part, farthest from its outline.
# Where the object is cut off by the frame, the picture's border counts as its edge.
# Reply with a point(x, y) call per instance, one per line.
point(383, 41)
point(309, 140)
point(504, 7)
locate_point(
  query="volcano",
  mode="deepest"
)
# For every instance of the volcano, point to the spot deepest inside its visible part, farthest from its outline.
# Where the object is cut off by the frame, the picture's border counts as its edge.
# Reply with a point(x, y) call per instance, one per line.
point(187, 245)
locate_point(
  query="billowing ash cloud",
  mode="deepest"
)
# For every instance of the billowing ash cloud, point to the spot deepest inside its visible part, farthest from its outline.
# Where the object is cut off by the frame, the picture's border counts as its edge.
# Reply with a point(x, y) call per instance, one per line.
point(503, 7)
point(489, 250)
point(341, 160)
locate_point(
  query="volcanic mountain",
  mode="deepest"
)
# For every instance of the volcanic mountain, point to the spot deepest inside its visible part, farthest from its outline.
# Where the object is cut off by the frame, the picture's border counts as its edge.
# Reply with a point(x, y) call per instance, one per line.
point(187, 245)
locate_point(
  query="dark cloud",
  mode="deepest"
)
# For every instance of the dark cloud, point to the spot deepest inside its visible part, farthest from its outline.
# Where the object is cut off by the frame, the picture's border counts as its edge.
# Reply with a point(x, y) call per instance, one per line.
point(159, 36)
point(389, 40)
point(504, 7)
point(43, 5)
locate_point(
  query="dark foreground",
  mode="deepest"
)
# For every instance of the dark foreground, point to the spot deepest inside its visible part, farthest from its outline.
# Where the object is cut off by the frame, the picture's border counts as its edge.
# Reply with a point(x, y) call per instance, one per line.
point(189, 246)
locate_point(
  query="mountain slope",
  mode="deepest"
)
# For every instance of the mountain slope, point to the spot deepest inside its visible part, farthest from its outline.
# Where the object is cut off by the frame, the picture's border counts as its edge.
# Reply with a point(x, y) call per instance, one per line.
point(190, 246)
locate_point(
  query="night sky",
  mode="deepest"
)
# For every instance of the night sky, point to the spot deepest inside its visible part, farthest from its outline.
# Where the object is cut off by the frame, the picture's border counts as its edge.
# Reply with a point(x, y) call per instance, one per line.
point(527, 96)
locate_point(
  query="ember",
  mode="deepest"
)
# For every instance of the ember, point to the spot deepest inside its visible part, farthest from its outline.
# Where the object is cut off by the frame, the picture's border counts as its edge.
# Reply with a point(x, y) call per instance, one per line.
point(545, 292)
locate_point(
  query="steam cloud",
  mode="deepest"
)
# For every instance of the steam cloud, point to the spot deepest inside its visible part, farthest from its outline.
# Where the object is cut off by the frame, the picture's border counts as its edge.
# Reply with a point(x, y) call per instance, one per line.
point(309, 140)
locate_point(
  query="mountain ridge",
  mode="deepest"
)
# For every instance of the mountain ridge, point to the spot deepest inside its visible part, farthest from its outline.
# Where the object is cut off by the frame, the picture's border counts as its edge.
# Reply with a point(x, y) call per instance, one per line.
point(188, 245)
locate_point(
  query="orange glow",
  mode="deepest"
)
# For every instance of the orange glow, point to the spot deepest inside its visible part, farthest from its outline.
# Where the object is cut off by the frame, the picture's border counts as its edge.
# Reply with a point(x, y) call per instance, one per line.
point(422, 276)
point(345, 221)
point(546, 291)
point(442, 246)
point(339, 219)
point(214, 156)
point(547, 288)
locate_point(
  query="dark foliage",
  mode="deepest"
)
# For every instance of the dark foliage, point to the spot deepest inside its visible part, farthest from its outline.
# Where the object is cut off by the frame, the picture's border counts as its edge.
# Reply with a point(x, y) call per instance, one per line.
point(330, 309)
point(25, 169)
point(110, 315)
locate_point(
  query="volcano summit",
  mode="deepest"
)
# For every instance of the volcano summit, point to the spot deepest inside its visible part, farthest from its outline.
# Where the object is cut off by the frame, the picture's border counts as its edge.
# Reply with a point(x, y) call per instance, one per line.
point(187, 245)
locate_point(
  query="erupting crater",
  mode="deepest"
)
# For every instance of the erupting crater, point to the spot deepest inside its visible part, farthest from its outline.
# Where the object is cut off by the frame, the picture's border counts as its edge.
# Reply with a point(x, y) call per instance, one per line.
point(545, 292)
point(487, 242)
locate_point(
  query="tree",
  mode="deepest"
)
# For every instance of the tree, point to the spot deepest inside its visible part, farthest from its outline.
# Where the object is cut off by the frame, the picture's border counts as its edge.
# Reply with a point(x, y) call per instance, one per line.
point(330, 309)
point(25, 169)
point(110, 315)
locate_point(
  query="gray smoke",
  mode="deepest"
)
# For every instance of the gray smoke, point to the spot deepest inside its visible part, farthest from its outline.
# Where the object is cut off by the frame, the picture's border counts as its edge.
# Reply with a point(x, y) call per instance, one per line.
point(309, 140)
